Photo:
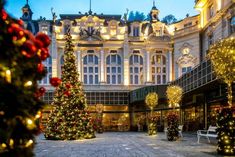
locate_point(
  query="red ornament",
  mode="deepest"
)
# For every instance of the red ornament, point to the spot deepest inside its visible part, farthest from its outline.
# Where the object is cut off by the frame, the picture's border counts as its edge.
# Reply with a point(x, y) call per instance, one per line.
point(55, 82)
point(42, 90)
point(38, 43)
point(67, 93)
point(28, 49)
point(16, 31)
point(44, 39)
point(68, 85)
point(40, 68)
point(20, 22)
point(4, 14)
point(43, 53)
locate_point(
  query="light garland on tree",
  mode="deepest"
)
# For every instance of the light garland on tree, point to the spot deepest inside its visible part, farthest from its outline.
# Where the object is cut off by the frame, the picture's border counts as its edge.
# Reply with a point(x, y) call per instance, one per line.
point(151, 101)
point(222, 56)
point(174, 95)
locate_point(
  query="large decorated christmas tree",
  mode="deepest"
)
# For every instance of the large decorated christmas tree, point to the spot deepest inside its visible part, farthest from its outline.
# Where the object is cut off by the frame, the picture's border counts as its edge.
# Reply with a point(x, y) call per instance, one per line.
point(21, 67)
point(69, 120)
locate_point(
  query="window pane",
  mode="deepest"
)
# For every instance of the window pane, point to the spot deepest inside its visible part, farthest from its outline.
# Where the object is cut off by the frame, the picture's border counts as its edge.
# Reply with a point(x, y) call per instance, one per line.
point(113, 79)
point(96, 69)
point(136, 79)
point(90, 58)
point(96, 79)
point(119, 60)
point(163, 60)
point(90, 69)
point(153, 79)
point(113, 58)
point(158, 79)
point(90, 79)
point(158, 70)
point(131, 70)
point(119, 79)
point(164, 79)
point(158, 59)
point(96, 60)
point(153, 70)
point(164, 69)
point(119, 70)
point(108, 79)
point(50, 69)
point(113, 69)
point(108, 69)
point(136, 70)
point(85, 79)
point(50, 61)
point(136, 59)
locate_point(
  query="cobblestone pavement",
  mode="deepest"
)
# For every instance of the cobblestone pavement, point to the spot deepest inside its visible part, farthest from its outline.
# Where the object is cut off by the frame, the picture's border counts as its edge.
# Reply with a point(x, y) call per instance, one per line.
point(126, 144)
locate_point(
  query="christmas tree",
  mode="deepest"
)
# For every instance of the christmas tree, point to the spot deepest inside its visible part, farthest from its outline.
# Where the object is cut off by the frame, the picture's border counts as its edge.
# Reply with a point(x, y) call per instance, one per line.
point(69, 120)
point(20, 68)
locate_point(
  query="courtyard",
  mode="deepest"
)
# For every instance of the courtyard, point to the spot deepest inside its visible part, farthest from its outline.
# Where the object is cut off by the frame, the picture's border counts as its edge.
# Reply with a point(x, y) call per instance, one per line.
point(127, 144)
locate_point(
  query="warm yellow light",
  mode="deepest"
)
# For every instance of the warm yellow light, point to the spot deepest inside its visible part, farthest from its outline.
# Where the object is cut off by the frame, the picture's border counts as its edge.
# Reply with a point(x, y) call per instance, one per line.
point(4, 145)
point(8, 76)
point(29, 121)
point(28, 83)
point(38, 115)
point(219, 4)
point(29, 143)
point(174, 95)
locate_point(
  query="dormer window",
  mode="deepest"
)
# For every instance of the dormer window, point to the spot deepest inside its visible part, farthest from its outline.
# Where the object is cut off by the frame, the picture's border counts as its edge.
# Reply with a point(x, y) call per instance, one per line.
point(136, 31)
point(44, 29)
point(90, 29)
point(66, 28)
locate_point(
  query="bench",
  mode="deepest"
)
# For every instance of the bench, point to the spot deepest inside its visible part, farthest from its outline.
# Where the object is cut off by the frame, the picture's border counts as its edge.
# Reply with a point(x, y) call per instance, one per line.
point(180, 128)
point(211, 132)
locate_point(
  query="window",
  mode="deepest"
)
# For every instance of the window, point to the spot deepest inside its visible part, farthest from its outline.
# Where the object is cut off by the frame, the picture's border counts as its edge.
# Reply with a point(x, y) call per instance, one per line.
point(90, 29)
point(233, 24)
point(188, 24)
point(136, 31)
point(136, 69)
point(90, 69)
point(114, 69)
point(159, 69)
point(45, 29)
point(48, 66)
point(211, 11)
point(66, 28)
point(186, 69)
point(210, 39)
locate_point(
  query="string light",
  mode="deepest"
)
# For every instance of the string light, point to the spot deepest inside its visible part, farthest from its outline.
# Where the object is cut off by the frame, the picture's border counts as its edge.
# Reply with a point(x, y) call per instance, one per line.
point(174, 95)
point(8, 76)
point(29, 143)
point(28, 83)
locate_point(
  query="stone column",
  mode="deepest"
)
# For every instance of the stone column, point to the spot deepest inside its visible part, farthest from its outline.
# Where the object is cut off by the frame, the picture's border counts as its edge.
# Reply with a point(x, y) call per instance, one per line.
point(79, 64)
point(102, 66)
point(126, 65)
point(54, 55)
point(148, 69)
point(170, 66)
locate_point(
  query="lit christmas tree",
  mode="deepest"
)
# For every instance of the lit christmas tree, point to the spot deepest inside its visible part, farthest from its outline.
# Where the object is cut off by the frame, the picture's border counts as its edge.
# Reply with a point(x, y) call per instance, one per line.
point(20, 68)
point(222, 56)
point(174, 95)
point(69, 120)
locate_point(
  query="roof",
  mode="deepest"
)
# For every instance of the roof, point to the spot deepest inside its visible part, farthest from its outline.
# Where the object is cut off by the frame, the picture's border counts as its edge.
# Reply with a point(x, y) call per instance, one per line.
point(101, 16)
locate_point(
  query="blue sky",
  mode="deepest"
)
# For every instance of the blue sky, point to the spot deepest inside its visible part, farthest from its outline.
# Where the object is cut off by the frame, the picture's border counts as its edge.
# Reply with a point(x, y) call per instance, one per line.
point(179, 8)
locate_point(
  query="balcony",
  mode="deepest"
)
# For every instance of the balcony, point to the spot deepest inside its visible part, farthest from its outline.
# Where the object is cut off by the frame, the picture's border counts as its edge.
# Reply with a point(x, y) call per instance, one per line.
point(186, 31)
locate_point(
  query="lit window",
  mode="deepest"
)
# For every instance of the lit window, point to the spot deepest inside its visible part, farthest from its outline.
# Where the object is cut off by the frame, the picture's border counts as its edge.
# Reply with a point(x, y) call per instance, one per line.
point(91, 69)
point(114, 69)
point(159, 69)
point(136, 69)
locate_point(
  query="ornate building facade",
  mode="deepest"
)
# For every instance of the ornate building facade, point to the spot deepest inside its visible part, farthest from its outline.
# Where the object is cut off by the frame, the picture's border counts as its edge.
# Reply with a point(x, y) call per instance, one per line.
point(116, 56)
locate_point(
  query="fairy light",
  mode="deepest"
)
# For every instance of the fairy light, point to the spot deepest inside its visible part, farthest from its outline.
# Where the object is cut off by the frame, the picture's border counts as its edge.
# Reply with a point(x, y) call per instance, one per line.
point(174, 95)
point(28, 83)
point(8, 76)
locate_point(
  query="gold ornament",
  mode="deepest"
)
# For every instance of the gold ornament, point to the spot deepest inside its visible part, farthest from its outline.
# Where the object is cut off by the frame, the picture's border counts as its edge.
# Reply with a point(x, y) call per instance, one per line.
point(151, 100)
point(174, 95)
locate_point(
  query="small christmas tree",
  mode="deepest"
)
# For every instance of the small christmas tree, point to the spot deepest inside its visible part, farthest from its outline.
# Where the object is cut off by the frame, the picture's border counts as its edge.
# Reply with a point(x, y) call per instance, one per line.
point(21, 67)
point(69, 120)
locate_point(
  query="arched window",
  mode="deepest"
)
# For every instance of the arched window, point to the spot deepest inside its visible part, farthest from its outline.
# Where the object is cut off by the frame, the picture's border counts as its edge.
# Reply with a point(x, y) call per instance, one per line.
point(136, 69)
point(159, 69)
point(114, 69)
point(90, 69)
point(233, 24)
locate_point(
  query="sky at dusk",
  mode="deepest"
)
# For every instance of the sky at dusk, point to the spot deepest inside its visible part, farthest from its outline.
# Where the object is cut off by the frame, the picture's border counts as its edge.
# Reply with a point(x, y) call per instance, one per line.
point(179, 8)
